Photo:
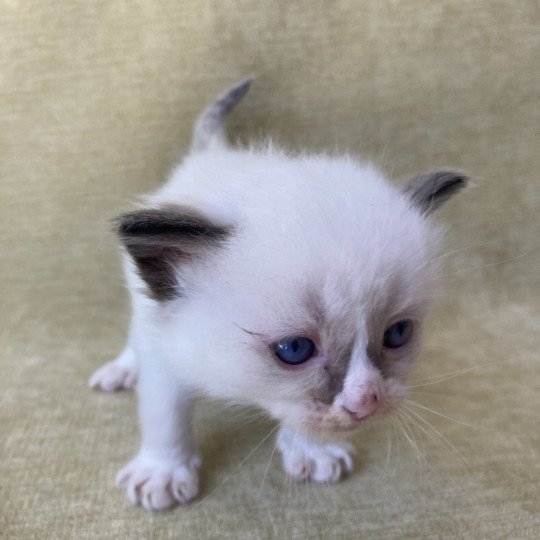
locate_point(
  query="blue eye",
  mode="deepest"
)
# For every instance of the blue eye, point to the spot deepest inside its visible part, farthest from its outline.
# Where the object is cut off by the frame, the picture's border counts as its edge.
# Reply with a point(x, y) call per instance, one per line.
point(295, 350)
point(398, 334)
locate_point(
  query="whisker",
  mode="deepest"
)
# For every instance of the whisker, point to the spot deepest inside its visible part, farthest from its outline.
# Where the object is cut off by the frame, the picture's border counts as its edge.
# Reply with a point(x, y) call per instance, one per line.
point(388, 453)
point(389, 450)
point(435, 379)
point(439, 434)
point(401, 424)
point(398, 446)
point(250, 332)
point(461, 250)
point(416, 404)
point(432, 394)
point(487, 265)
point(264, 439)
point(465, 248)
point(307, 483)
point(267, 468)
point(243, 418)
point(424, 430)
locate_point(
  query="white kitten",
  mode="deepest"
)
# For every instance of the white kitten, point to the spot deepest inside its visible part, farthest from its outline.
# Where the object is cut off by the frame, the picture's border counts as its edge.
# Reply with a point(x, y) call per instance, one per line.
point(297, 283)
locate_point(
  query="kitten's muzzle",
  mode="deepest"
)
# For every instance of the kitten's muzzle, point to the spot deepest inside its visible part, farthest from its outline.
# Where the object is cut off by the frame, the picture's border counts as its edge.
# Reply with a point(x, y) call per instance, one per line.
point(364, 405)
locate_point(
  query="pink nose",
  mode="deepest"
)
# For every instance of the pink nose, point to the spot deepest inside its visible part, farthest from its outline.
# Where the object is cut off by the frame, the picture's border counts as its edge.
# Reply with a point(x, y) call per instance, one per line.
point(363, 405)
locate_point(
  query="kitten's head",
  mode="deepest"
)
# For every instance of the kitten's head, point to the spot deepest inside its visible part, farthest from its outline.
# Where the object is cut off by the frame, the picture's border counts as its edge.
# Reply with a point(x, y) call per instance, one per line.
point(301, 285)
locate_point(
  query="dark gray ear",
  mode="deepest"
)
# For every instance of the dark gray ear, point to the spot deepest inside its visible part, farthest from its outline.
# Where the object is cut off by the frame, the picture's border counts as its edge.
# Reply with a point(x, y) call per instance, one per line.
point(159, 239)
point(430, 190)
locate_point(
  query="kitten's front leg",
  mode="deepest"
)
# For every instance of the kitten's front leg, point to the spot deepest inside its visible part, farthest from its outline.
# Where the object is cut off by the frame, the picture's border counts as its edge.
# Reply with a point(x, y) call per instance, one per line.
point(165, 471)
point(305, 459)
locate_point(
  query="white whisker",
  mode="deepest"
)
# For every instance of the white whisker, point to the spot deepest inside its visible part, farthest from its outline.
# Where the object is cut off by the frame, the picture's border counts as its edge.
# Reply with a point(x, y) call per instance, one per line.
point(388, 454)
point(432, 411)
point(447, 254)
point(410, 438)
point(267, 468)
point(435, 379)
point(487, 265)
point(439, 434)
point(265, 438)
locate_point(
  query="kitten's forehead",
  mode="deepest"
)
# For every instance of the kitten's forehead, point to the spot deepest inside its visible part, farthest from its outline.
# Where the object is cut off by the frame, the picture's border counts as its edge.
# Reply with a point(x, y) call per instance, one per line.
point(330, 289)
point(315, 237)
point(342, 314)
point(369, 295)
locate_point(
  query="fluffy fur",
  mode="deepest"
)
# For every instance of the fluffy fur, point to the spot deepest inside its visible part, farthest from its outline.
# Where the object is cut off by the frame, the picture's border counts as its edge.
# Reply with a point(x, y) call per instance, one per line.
point(242, 248)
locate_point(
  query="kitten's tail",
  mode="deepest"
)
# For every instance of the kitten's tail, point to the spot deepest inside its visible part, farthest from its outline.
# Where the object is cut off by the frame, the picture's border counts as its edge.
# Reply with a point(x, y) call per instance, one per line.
point(209, 130)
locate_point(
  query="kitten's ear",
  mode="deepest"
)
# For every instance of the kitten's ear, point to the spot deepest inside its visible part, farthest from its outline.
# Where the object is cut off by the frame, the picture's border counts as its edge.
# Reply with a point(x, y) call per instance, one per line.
point(430, 190)
point(160, 239)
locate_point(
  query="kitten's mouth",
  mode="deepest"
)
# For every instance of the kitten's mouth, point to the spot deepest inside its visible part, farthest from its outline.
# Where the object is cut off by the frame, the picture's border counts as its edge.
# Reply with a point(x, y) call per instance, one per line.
point(358, 418)
point(342, 421)
point(354, 421)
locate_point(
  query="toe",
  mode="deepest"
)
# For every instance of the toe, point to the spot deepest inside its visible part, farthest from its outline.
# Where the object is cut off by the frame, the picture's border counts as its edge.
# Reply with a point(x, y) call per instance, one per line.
point(158, 486)
point(112, 377)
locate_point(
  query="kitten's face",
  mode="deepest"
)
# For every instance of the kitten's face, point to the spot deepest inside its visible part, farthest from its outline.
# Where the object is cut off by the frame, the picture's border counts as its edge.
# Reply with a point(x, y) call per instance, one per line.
point(322, 351)
point(306, 299)
point(343, 362)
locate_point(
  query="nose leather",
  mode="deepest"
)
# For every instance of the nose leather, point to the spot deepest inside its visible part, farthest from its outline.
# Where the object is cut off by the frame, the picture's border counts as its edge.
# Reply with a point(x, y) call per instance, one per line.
point(363, 402)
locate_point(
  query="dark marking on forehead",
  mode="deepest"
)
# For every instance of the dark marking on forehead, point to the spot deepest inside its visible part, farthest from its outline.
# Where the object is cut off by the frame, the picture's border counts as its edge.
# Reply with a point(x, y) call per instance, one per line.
point(333, 374)
point(315, 307)
point(376, 357)
point(336, 339)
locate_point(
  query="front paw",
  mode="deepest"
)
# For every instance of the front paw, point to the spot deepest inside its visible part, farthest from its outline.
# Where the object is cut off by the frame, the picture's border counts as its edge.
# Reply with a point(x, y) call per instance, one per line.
point(113, 376)
point(158, 485)
point(323, 463)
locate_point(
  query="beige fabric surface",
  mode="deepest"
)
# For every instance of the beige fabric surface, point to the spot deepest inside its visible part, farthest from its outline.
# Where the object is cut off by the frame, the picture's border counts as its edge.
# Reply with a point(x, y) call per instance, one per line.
point(97, 100)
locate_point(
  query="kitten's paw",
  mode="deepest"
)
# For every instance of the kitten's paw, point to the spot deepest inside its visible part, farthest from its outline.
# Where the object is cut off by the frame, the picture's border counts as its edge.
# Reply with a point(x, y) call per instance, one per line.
point(120, 374)
point(158, 485)
point(324, 463)
point(113, 376)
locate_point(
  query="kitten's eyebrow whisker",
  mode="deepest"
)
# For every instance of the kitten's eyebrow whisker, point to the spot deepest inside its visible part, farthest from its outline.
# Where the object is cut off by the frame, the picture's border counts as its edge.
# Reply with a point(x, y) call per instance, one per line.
point(448, 253)
point(487, 265)
point(440, 378)
point(471, 246)
point(250, 332)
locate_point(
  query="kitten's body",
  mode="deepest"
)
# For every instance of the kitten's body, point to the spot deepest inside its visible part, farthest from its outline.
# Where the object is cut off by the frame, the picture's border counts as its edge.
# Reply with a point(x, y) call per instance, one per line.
point(244, 250)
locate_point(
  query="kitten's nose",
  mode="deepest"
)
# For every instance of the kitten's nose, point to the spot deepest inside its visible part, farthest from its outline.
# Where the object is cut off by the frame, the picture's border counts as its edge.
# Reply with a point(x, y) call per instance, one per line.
point(364, 403)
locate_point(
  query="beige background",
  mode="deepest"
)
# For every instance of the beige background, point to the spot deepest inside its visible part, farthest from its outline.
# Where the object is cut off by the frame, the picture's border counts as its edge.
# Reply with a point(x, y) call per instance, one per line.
point(97, 100)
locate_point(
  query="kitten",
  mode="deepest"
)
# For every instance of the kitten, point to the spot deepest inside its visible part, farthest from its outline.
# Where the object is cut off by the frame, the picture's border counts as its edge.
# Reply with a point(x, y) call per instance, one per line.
point(296, 283)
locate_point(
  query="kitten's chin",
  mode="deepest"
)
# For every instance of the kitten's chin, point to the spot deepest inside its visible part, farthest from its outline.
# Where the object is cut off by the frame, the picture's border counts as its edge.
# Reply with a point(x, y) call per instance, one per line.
point(318, 418)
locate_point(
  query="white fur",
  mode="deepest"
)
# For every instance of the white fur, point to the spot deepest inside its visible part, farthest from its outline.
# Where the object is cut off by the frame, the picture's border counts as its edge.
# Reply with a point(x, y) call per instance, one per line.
point(321, 227)
point(120, 374)
point(304, 459)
